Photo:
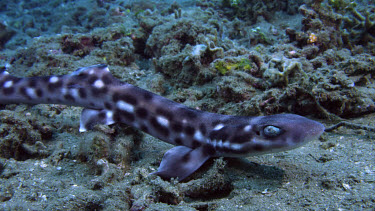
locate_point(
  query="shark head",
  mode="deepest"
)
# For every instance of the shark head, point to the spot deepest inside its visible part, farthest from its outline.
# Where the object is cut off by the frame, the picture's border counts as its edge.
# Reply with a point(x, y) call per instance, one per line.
point(280, 132)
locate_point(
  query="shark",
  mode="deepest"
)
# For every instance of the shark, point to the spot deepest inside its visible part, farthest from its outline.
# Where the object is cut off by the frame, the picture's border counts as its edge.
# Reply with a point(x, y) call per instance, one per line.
point(197, 135)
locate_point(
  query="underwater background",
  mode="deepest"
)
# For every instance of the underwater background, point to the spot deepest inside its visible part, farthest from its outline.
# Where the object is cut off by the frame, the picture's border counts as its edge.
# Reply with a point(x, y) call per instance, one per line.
point(314, 58)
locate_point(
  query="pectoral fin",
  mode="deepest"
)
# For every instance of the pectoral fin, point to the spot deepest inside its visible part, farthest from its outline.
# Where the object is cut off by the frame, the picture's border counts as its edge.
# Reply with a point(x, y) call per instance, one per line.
point(91, 117)
point(181, 161)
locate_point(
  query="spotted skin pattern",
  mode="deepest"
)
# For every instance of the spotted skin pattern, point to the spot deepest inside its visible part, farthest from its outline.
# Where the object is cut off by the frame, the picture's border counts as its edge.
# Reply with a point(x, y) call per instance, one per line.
point(198, 135)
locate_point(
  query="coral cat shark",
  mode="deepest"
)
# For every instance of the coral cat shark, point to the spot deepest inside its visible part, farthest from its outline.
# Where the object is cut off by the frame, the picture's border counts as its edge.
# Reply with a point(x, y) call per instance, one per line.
point(198, 135)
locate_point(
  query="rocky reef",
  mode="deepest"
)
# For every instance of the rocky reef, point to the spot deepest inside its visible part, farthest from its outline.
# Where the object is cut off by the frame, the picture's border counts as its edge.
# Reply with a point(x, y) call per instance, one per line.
point(237, 57)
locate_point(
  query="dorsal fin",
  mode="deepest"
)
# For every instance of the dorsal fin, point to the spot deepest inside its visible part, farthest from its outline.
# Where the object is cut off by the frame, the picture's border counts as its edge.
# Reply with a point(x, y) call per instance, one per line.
point(94, 72)
point(99, 69)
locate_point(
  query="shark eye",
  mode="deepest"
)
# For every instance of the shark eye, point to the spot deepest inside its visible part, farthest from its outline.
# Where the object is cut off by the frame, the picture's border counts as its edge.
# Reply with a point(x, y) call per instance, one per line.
point(271, 131)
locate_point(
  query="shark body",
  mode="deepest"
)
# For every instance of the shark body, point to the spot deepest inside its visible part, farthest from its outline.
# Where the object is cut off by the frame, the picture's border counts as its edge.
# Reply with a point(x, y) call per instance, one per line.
point(198, 135)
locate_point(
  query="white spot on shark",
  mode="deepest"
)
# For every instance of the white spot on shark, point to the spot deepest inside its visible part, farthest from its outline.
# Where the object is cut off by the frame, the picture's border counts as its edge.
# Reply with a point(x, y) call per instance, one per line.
point(109, 114)
point(214, 143)
point(125, 106)
point(220, 144)
point(163, 121)
point(8, 84)
point(74, 93)
point(109, 120)
point(218, 127)
point(31, 92)
point(235, 146)
point(198, 135)
point(99, 84)
point(217, 143)
point(226, 144)
point(247, 128)
point(53, 79)
point(64, 91)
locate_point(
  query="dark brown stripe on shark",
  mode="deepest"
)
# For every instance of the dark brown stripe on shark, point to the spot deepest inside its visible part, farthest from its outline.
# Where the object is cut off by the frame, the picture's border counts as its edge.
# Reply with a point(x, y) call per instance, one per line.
point(188, 113)
point(23, 92)
point(45, 79)
point(8, 91)
point(146, 94)
point(96, 92)
point(144, 128)
point(218, 135)
point(119, 115)
point(81, 76)
point(141, 113)
point(82, 93)
point(92, 79)
point(32, 83)
point(39, 93)
point(52, 87)
point(71, 84)
point(69, 97)
point(195, 144)
point(124, 97)
point(177, 127)
point(107, 105)
point(189, 130)
point(102, 115)
point(202, 128)
point(107, 79)
point(178, 141)
point(241, 138)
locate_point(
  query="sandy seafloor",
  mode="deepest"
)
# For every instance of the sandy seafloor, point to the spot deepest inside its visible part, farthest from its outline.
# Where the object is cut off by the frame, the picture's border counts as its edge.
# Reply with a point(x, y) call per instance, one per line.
point(312, 58)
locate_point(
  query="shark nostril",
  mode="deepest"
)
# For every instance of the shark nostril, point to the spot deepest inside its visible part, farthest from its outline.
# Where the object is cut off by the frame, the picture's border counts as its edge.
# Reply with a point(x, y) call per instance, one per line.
point(257, 132)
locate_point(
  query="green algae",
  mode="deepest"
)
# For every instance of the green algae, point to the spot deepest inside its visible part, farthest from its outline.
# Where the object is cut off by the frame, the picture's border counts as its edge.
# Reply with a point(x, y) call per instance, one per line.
point(223, 67)
point(342, 4)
